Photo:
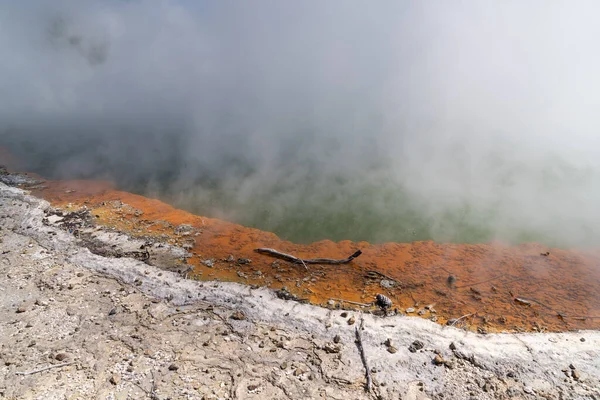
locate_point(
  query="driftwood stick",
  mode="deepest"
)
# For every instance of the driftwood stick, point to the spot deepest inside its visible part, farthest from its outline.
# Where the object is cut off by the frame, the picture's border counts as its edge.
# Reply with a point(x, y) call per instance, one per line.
point(463, 317)
point(363, 356)
point(297, 260)
point(35, 371)
point(352, 302)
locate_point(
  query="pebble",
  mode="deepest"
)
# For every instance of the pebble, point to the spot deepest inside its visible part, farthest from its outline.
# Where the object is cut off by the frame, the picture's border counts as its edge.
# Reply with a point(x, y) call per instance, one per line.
point(115, 379)
point(416, 345)
point(351, 320)
point(392, 349)
point(173, 367)
point(344, 314)
point(410, 310)
point(331, 348)
point(238, 316)
point(336, 339)
point(576, 374)
point(61, 356)
point(21, 310)
point(112, 311)
point(438, 360)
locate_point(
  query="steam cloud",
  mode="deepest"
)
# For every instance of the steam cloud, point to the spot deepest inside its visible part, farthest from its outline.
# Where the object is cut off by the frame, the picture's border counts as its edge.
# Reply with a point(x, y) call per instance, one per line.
point(452, 121)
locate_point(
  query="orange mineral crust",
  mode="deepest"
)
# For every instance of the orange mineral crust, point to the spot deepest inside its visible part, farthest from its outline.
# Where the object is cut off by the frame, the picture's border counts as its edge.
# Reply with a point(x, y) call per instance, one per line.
point(483, 287)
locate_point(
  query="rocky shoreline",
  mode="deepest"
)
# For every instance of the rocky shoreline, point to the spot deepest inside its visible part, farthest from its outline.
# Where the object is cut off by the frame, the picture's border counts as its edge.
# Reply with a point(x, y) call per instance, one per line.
point(109, 325)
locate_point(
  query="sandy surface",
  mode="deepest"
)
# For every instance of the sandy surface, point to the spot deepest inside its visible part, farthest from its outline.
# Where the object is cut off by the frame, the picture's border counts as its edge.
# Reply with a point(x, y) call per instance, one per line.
point(126, 329)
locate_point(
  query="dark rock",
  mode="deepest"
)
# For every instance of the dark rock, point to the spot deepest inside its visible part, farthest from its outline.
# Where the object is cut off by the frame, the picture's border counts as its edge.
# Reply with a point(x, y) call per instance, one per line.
point(576, 374)
point(351, 320)
point(344, 314)
point(61, 356)
point(112, 311)
point(336, 339)
point(416, 345)
point(173, 367)
point(21, 310)
point(392, 349)
point(452, 346)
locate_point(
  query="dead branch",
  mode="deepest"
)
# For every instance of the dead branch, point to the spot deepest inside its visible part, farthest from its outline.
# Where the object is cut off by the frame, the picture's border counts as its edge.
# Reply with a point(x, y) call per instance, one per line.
point(297, 260)
point(35, 371)
point(363, 356)
point(371, 273)
point(463, 317)
point(352, 302)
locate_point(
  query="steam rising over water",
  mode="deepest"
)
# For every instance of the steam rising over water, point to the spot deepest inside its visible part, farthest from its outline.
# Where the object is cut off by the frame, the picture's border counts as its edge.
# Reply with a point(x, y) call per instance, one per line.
point(390, 122)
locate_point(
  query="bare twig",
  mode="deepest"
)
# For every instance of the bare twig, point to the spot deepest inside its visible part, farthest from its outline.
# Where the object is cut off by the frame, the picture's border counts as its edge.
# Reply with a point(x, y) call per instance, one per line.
point(35, 371)
point(381, 274)
point(363, 356)
point(352, 302)
point(481, 282)
point(297, 260)
point(463, 317)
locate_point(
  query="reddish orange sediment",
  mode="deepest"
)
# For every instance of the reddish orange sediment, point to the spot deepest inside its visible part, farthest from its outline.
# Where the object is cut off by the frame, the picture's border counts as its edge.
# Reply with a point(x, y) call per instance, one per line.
point(498, 287)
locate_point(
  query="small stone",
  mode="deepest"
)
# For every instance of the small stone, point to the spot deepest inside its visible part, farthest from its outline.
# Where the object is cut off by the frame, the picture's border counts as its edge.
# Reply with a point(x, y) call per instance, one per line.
point(230, 258)
point(453, 346)
point(351, 320)
point(21, 310)
point(438, 360)
point(337, 339)
point(298, 371)
point(112, 311)
point(252, 388)
point(388, 342)
point(244, 261)
point(283, 365)
point(410, 310)
point(173, 367)
point(582, 339)
point(331, 348)
point(61, 356)
point(387, 284)
point(451, 280)
point(238, 316)
point(115, 379)
point(488, 387)
point(572, 366)
point(344, 314)
point(416, 345)
point(80, 274)
point(392, 349)
point(29, 325)
point(576, 374)
point(130, 369)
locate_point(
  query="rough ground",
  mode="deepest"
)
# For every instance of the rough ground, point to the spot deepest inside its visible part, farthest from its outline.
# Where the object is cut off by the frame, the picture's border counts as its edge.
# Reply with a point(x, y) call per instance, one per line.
point(118, 328)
